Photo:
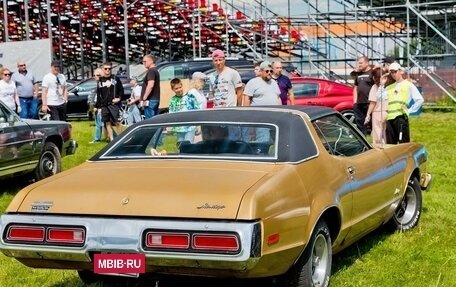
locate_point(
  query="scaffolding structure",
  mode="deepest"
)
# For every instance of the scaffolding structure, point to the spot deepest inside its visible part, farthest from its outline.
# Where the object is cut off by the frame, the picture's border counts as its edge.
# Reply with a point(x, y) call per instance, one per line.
point(324, 40)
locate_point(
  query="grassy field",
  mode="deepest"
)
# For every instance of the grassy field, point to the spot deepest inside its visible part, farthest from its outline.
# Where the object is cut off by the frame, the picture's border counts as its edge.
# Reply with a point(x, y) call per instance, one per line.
point(425, 256)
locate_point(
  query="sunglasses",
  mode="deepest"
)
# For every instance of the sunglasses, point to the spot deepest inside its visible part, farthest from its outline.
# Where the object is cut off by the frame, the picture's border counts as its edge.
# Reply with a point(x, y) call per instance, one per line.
point(393, 72)
point(6, 74)
point(108, 69)
point(268, 71)
point(216, 80)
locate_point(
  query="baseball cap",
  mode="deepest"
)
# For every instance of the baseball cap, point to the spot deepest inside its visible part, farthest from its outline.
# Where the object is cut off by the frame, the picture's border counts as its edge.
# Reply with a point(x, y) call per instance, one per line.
point(265, 64)
point(55, 63)
point(218, 54)
point(388, 60)
point(199, 76)
point(395, 67)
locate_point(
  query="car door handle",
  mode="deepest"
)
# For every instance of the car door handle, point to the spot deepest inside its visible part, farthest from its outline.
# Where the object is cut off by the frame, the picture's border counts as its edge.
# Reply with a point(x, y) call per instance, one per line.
point(351, 170)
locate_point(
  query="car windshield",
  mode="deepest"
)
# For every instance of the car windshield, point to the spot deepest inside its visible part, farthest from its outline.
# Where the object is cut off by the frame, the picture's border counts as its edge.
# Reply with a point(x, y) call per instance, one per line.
point(203, 140)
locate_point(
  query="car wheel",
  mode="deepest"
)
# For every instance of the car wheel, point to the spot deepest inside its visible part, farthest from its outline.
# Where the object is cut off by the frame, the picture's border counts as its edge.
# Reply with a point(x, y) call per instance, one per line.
point(314, 266)
point(123, 115)
point(349, 115)
point(50, 161)
point(408, 213)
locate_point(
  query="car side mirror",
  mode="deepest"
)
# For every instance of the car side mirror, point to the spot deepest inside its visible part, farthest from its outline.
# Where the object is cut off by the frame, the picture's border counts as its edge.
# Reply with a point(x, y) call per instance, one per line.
point(11, 120)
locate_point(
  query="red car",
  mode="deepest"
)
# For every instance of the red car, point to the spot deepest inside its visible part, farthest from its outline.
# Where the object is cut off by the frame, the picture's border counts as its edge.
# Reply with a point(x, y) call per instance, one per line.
point(321, 92)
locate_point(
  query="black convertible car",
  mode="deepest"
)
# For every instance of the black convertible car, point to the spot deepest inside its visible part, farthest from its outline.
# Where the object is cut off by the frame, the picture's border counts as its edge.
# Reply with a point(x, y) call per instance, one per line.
point(32, 145)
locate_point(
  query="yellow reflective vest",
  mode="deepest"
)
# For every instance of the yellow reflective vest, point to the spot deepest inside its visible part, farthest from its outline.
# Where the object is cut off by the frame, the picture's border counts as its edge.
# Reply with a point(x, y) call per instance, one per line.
point(398, 99)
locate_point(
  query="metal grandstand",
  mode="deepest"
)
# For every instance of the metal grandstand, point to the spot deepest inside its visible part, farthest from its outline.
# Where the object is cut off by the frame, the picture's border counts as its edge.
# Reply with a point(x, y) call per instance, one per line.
point(324, 40)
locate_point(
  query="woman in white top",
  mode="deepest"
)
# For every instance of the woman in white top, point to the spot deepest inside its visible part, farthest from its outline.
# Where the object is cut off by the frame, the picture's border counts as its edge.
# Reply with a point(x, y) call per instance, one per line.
point(378, 105)
point(196, 88)
point(8, 94)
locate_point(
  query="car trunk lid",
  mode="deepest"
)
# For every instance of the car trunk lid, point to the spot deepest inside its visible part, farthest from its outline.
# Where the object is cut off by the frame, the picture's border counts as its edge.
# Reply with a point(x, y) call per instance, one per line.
point(176, 188)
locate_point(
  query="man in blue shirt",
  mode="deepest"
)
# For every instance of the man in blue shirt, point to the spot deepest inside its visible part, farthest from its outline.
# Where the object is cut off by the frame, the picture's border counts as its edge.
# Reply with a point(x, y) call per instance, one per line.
point(286, 89)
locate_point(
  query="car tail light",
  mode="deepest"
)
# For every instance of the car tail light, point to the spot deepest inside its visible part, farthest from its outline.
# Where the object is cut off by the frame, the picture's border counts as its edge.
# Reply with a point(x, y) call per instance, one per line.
point(216, 242)
point(25, 233)
point(167, 240)
point(191, 241)
point(65, 235)
point(45, 234)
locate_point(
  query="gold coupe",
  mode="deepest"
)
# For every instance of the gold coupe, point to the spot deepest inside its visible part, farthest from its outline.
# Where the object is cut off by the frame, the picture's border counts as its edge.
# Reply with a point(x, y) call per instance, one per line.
point(247, 192)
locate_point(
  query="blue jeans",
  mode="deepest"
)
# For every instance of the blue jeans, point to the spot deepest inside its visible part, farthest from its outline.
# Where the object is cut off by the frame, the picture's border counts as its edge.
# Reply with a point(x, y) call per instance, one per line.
point(186, 136)
point(29, 108)
point(98, 126)
point(134, 115)
point(151, 110)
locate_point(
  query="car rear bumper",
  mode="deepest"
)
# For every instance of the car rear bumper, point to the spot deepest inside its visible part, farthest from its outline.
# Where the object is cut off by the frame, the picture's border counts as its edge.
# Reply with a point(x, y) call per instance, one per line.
point(115, 235)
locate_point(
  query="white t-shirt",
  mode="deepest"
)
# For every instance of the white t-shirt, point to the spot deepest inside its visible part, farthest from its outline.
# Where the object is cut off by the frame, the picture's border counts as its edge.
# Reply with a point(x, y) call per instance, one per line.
point(262, 93)
point(56, 85)
point(7, 93)
point(225, 85)
point(202, 101)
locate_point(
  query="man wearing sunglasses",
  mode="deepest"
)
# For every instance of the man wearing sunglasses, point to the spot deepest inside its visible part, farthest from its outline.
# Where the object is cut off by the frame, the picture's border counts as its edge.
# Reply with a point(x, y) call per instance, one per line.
point(109, 94)
point(27, 89)
point(54, 95)
point(262, 90)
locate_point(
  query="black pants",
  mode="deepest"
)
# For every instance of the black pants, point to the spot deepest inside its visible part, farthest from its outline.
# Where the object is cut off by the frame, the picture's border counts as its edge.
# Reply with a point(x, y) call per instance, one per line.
point(58, 113)
point(397, 130)
point(360, 111)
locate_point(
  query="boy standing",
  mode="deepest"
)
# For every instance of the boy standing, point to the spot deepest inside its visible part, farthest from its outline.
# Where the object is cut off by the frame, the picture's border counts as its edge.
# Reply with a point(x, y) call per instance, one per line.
point(179, 103)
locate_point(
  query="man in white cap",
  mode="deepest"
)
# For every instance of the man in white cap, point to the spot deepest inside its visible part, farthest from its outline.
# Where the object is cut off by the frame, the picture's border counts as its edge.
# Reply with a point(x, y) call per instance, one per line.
point(262, 90)
point(400, 94)
point(226, 82)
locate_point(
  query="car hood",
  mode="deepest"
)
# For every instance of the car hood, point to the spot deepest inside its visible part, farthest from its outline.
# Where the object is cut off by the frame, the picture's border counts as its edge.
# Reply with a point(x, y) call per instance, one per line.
point(163, 188)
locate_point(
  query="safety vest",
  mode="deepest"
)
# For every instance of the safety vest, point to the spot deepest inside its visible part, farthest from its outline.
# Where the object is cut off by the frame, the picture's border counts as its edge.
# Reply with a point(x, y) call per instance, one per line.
point(398, 99)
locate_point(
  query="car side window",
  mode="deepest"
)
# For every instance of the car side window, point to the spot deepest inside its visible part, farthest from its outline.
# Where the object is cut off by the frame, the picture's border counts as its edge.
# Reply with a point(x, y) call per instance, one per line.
point(171, 72)
point(305, 90)
point(339, 137)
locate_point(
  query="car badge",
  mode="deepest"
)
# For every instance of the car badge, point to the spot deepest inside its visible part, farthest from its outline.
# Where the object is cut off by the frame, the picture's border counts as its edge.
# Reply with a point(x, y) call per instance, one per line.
point(125, 201)
point(211, 206)
point(41, 206)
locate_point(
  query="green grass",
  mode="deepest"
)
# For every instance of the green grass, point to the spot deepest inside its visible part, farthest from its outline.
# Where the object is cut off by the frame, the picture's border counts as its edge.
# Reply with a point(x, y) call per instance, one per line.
point(423, 257)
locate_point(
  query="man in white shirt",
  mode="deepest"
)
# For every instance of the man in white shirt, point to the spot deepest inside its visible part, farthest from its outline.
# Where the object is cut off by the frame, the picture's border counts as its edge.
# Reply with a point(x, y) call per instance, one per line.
point(54, 95)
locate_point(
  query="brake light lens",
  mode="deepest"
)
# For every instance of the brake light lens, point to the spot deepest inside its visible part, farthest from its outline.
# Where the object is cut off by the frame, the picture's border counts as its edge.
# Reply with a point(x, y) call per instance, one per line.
point(45, 235)
point(167, 240)
point(65, 235)
point(25, 233)
point(219, 242)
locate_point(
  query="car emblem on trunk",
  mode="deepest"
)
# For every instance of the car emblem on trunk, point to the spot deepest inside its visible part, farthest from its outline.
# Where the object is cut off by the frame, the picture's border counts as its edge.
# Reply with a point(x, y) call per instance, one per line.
point(211, 206)
point(41, 206)
point(125, 201)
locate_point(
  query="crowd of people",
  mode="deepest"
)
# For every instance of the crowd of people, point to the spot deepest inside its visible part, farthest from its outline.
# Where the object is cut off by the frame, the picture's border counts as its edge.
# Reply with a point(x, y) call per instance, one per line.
point(381, 95)
point(384, 98)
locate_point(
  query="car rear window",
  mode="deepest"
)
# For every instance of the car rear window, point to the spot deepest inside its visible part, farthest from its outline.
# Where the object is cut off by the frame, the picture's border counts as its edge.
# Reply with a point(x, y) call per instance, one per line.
point(203, 140)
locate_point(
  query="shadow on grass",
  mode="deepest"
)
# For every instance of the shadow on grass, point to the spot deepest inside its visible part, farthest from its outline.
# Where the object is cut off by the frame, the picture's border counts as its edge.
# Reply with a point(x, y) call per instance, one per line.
point(15, 183)
point(356, 251)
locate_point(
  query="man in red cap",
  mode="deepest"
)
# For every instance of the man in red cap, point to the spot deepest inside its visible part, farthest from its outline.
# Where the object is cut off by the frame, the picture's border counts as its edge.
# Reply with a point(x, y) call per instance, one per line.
point(226, 83)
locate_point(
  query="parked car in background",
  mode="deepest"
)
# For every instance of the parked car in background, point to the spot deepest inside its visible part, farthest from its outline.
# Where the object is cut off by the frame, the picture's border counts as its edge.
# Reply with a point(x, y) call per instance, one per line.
point(321, 92)
point(77, 106)
point(300, 184)
point(32, 145)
